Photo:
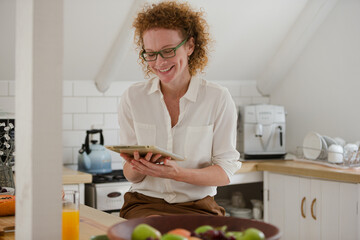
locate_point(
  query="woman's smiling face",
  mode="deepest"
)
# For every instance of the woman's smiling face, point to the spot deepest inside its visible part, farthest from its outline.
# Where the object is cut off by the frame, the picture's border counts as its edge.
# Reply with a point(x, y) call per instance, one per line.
point(169, 70)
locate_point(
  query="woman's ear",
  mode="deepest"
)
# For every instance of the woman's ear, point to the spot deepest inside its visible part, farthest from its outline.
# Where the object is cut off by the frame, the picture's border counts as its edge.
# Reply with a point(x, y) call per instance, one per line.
point(190, 46)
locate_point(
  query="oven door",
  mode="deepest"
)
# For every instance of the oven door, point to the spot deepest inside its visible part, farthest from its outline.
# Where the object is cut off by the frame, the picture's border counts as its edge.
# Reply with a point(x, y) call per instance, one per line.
point(107, 197)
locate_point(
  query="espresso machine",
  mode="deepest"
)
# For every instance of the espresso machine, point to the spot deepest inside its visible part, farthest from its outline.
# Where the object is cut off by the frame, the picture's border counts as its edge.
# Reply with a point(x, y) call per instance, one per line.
point(261, 132)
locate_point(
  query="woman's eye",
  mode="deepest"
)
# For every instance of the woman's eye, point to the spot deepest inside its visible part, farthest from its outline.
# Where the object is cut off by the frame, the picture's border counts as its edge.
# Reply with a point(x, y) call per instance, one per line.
point(151, 54)
point(167, 51)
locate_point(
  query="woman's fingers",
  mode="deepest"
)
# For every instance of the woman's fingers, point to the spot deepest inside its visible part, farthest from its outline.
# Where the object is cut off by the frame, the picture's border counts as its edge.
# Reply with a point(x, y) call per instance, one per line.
point(148, 156)
point(136, 155)
point(156, 158)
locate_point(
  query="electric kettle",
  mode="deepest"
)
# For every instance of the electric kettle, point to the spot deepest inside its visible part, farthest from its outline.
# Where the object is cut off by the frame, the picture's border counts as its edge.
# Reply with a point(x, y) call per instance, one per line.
point(93, 157)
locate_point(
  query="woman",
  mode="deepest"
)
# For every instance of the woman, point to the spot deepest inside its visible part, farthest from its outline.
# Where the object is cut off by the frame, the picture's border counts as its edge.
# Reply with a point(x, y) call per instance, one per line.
point(180, 112)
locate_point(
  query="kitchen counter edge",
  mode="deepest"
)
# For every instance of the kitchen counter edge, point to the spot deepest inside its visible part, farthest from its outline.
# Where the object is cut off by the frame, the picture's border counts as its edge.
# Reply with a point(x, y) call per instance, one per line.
point(293, 167)
point(70, 176)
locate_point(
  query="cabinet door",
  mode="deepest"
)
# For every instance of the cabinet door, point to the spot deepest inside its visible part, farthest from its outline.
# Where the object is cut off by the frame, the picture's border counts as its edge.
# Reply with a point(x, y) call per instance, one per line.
point(339, 210)
point(283, 204)
point(304, 214)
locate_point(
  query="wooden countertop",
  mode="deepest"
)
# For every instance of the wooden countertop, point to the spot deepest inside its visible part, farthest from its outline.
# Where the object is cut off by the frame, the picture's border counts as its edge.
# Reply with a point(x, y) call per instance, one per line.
point(293, 167)
point(92, 222)
point(70, 176)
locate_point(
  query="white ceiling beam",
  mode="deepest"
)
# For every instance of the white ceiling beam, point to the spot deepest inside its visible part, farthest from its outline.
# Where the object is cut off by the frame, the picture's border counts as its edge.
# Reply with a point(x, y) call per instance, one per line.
point(308, 22)
point(38, 105)
point(110, 69)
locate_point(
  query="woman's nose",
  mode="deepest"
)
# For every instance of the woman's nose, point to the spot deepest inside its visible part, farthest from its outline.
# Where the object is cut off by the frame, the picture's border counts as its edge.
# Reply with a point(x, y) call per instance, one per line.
point(159, 62)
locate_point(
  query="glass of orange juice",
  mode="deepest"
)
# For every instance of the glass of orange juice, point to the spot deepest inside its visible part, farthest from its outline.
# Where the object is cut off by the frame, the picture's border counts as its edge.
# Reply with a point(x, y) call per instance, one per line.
point(70, 215)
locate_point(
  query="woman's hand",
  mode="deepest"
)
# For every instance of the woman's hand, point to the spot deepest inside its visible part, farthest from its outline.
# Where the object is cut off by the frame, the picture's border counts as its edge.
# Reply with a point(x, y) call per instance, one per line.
point(131, 173)
point(154, 158)
point(156, 167)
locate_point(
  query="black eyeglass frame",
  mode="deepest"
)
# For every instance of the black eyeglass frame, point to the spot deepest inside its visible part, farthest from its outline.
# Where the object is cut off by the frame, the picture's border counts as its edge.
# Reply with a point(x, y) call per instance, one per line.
point(162, 51)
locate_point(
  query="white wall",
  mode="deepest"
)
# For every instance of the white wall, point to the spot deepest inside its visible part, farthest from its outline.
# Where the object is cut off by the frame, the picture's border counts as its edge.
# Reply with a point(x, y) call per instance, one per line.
point(84, 106)
point(322, 91)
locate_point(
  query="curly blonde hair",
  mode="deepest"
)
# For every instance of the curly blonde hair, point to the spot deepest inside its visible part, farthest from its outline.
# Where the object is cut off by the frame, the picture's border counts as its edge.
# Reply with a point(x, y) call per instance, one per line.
point(176, 16)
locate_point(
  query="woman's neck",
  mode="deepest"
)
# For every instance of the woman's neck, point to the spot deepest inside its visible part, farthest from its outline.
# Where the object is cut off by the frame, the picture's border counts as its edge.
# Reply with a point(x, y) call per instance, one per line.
point(176, 90)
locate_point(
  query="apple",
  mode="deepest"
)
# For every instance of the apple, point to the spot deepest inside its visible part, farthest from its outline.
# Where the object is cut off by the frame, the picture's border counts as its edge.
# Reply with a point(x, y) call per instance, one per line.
point(252, 234)
point(144, 231)
point(203, 229)
point(170, 236)
point(237, 235)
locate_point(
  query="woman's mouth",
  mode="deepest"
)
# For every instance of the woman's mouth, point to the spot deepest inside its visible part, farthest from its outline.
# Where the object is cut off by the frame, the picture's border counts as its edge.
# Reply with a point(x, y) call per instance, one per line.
point(165, 70)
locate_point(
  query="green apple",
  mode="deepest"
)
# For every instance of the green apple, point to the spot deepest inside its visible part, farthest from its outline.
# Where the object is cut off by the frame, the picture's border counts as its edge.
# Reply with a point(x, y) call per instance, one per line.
point(252, 234)
point(144, 231)
point(237, 235)
point(222, 228)
point(170, 236)
point(203, 228)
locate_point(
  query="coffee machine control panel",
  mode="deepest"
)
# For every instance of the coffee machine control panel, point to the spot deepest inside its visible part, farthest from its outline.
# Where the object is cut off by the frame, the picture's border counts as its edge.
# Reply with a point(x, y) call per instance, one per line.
point(264, 114)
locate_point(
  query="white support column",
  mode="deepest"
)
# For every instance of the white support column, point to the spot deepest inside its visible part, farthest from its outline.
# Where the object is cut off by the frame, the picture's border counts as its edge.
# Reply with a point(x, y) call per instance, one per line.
point(38, 112)
point(313, 15)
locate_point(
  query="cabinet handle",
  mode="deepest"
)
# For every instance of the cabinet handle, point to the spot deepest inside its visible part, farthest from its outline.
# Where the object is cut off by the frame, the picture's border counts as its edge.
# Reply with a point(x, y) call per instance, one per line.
point(302, 207)
point(312, 208)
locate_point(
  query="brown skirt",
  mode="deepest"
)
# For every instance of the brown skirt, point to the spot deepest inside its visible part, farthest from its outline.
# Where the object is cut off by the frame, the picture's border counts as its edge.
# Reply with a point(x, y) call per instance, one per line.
point(138, 205)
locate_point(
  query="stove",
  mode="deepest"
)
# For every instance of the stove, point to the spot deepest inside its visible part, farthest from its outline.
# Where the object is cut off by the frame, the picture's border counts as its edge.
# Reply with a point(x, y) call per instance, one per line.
point(114, 176)
point(106, 192)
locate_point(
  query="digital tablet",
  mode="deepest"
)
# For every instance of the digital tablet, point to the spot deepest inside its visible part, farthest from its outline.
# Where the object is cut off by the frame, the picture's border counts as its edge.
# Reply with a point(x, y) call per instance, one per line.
point(143, 150)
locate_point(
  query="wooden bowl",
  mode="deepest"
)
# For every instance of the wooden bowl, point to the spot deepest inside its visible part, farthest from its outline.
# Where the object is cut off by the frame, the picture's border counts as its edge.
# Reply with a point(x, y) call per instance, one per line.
point(123, 230)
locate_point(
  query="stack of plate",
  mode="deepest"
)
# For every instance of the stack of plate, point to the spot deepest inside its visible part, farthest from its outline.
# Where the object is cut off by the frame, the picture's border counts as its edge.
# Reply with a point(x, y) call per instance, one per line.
point(241, 213)
point(316, 146)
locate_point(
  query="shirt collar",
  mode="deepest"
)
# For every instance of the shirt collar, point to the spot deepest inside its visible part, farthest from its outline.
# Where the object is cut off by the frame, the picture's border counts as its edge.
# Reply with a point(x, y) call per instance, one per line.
point(191, 93)
point(154, 85)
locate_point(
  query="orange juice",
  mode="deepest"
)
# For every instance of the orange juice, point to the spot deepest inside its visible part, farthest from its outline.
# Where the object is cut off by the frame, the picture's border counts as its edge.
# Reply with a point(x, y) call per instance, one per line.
point(70, 224)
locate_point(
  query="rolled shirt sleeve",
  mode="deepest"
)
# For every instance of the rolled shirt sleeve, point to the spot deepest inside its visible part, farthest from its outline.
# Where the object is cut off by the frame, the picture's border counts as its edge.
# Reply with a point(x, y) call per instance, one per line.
point(225, 130)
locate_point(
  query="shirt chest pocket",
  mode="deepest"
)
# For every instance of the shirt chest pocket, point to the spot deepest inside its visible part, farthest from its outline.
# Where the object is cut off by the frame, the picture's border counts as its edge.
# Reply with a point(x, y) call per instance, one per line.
point(145, 133)
point(198, 143)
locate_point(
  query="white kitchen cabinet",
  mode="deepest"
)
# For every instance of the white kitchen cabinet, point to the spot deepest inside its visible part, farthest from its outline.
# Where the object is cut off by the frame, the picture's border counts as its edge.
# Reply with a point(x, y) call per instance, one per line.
point(306, 208)
point(77, 187)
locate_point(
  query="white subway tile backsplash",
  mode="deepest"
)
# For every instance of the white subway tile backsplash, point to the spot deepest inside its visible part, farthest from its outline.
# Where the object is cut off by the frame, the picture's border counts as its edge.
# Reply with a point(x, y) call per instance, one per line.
point(242, 101)
point(75, 151)
point(260, 100)
point(67, 121)
point(233, 87)
point(111, 121)
point(68, 89)
point(74, 105)
point(102, 104)
point(73, 138)
point(85, 121)
point(118, 88)
point(12, 88)
point(4, 88)
point(250, 90)
point(7, 104)
point(86, 88)
point(111, 137)
point(68, 156)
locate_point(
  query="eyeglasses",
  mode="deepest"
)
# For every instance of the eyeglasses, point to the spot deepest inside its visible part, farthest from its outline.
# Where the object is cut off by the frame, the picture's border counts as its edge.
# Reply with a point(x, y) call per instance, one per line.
point(165, 53)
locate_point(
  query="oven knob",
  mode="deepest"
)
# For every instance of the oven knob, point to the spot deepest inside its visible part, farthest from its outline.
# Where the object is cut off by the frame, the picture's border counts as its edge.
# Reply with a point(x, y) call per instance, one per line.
point(114, 195)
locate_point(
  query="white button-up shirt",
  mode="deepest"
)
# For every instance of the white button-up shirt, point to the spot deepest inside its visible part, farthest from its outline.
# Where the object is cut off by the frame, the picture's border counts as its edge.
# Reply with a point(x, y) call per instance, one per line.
point(205, 133)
